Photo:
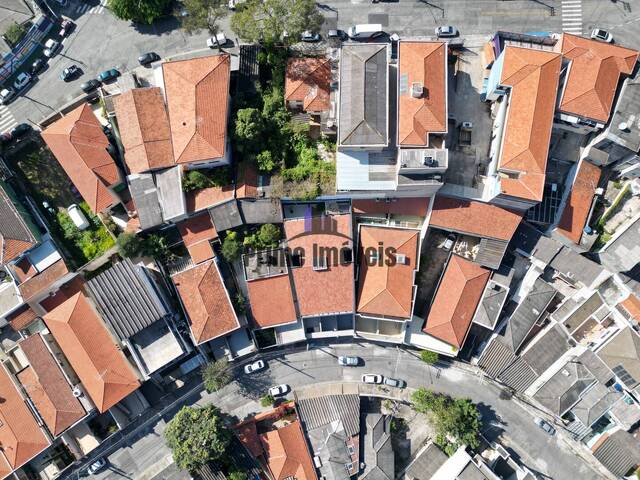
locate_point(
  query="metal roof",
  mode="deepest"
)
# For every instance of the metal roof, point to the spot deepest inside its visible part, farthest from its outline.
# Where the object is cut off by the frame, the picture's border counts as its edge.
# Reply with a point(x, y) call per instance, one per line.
point(619, 452)
point(319, 411)
point(170, 194)
point(145, 197)
point(226, 215)
point(528, 313)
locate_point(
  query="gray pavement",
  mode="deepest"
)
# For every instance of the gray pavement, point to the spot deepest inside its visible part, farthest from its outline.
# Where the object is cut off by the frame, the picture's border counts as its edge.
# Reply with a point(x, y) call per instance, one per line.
point(145, 454)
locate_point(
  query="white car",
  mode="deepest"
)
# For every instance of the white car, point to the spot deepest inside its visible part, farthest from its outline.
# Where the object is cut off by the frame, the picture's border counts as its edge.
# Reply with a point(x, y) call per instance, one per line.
point(446, 31)
point(6, 95)
point(602, 35)
point(372, 378)
point(279, 390)
point(51, 48)
point(222, 40)
point(96, 466)
point(254, 367)
point(22, 81)
point(348, 361)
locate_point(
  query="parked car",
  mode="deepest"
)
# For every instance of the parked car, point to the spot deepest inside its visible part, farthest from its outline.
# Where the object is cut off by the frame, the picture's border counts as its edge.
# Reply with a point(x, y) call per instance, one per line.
point(67, 27)
point(372, 378)
point(148, 58)
point(90, 85)
point(339, 34)
point(70, 73)
point(51, 47)
point(446, 31)
point(544, 425)
point(348, 361)
point(602, 35)
point(279, 390)
point(96, 466)
point(108, 75)
point(365, 31)
point(254, 367)
point(20, 130)
point(22, 80)
point(38, 66)
point(62, 3)
point(449, 242)
point(6, 95)
point(309, 36)
point(395, 382)
point(222, 41)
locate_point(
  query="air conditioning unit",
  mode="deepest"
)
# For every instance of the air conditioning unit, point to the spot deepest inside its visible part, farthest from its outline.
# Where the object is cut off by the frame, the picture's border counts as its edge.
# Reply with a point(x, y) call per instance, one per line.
point(417, 89)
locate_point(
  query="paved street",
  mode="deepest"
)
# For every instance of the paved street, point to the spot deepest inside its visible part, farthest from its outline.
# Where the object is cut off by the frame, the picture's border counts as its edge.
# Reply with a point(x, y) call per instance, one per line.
point(146, 455)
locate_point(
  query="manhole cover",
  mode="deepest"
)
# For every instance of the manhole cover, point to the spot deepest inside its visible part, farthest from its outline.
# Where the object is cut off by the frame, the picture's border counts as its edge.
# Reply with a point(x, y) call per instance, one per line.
point(381, 18)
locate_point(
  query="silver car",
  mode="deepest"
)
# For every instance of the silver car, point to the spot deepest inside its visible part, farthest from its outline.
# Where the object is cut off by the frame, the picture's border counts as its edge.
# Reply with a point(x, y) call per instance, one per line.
point(348, 361)
point(544, 425)
point(446, 31)
point(395, 382)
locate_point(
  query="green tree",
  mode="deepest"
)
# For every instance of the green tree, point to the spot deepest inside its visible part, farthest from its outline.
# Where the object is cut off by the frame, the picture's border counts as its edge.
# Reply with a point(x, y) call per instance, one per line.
point(139, 11)
point(427, 356)
point(268, 20)
point(128, 244)
point(195, 180)
point(199, 15)
point(249, 130)
point(267, 400)
point(197, 435)
point(156, 246)
point(14, 33)
point(268, 236)
point(265, 162)
point(231, 247)
point(216, 375)
point(237, 475)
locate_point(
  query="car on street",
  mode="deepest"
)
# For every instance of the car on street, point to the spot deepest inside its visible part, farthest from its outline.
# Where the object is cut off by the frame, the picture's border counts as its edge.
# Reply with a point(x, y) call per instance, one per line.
point(544, 425)
point(96, 466)
point(22, 80)
point(148, 58)
point(20, 130)
point(254, 367)
point(448, 243)
point(66, 27)
point(364, 31)
point(38, 66)
point(310, 37)
point(446, 31)
point(90, 85)
point(339, 34)
point(602, 35)
point(395, 382)
point(222, 41)
point(348, 361)
point(51, 47)
point(108, 75)
point(279, 390)
point(375, 378)
point(6, 95)
point(70, 73)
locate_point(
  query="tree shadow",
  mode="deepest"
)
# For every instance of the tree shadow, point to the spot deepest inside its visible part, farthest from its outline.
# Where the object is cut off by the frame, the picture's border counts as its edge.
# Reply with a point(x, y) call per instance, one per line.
point(254, 385)
point(161, 26)
point(492, 424)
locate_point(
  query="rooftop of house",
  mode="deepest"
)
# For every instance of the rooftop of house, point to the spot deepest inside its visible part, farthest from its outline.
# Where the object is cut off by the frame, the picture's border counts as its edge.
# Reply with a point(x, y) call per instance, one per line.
point(15, 235)
point(576, 211)
point(622, 356)
point(308, 81)
point(21, 317)
point(533, 77)
point(144, 129)
point(593, 75)
point(197, 233)
point(416, 206)
point(271, 300)
point(387, 284)
point(618, 452)
point(422, 66)
point(379, 457)
point(47, 387)
point(455, 303)
point(101, 366)
point(80, 146)
point(624, 127)
point(331, 274)
point(197, 96)
point(43, 280)
point(206, 301)
point(364, 95)
point(20, 435)
point(287, 453)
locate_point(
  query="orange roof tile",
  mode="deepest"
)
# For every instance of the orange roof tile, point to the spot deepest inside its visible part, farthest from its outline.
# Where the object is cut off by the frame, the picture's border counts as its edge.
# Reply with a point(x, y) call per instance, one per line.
point(336, 282)
point(576, 211)
point(208, 197)
point(287, 453)
point(456, 300)
point(23, 269)
point(397, 206)
point(206, 301)
point(272, 301)
point(593, 76)
point(101, 366)
point(144, 129)
point(64, 293)
point(632, 305)
point(196, 234)
point(247, 184)
point(48, 388)
point(21, 318)
point(308, 81)
point(475, 218)
point(533, 76)
point(425, 63)
point(20, 436)
point(197, 95)
point(80, 146)
point(387, 290)
point(43, 280)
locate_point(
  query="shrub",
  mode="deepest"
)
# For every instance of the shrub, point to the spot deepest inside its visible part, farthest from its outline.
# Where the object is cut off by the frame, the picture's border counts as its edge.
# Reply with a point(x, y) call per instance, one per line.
point(237, 476)
point(269, 236)
point(267, 400)
point(156, 246)
point(129, 245)
point(265, 162)
point(427, 356)
point(216, 375)
point(231, 247)
point(14, 33)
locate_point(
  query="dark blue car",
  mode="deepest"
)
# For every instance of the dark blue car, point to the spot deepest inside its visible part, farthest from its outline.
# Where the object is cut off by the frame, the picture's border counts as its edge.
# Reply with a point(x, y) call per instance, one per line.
point(109, 75)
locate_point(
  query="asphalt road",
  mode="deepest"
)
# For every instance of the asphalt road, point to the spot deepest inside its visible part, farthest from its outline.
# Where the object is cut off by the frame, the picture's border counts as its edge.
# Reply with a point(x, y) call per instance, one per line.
point(145, 454)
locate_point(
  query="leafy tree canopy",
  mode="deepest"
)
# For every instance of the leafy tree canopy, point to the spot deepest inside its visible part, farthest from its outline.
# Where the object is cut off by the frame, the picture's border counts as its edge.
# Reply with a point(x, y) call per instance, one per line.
point(216, 375)
point(128, 244)
point(140, 11)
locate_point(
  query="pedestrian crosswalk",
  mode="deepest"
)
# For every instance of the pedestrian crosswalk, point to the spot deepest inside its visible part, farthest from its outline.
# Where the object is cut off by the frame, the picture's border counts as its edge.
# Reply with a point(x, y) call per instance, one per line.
point(86, 8)
point(572, 16)
point(7, 121)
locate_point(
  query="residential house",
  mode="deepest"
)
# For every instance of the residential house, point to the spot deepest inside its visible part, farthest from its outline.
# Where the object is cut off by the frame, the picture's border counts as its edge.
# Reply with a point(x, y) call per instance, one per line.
point(379, 458)
point(197, 233)
point(307, 89)
point(621, 353)
point(619, 452)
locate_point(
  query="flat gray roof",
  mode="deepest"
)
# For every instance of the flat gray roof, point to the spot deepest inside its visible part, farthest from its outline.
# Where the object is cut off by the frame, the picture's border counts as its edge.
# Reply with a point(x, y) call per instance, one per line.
point(145, 197)
point(170, 194)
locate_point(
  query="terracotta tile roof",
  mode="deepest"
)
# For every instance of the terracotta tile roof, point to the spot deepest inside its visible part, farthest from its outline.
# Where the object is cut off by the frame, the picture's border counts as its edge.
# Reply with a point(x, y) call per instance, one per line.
point(272, 301)
point(308, 81)
point(248, 435)
point(287, 453)
point(576, 211)
point(208, 197)
point(197, 95)
point(144, 128)
point(387, 290)
point(101, 366)
point(475, 218)
point(48, 388)
point(20, 435)
point(21, 318)
point(196, 234)
point(456, 300)
point(15, 235)
point(80, 146)
point(425, 63)
point(247, 185)
point(593, 76)
point(64, 293)
point(336, 282)
point(632, 305)
point(23, 269)
point(533, 76)
point(206, 302)
point(43, 280)
point(397, 206)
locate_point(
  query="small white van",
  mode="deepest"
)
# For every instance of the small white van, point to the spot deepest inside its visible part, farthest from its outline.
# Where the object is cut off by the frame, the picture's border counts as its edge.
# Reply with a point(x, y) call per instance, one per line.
point(364, 31)
point(77, 217)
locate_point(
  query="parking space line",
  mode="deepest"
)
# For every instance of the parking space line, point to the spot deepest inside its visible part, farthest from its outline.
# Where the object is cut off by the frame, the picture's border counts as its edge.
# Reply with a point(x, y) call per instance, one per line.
point(572, 16)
